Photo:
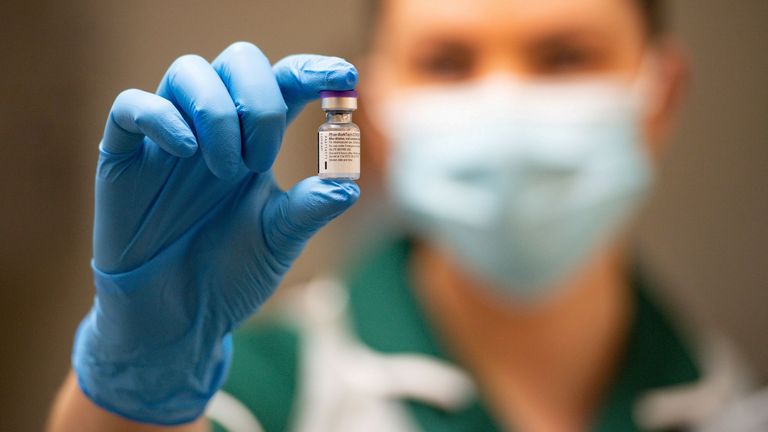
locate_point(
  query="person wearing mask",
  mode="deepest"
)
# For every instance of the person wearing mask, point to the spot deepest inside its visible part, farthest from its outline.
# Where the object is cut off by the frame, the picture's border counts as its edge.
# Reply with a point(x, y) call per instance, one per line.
point(517, 140)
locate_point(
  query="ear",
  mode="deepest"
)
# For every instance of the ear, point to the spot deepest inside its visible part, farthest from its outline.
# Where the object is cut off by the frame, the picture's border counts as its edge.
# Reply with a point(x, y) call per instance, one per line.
point(670, 85)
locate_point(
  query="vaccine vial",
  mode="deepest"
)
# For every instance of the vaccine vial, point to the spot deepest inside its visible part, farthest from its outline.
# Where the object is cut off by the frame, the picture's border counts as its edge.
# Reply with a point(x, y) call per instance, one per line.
point(338, 139)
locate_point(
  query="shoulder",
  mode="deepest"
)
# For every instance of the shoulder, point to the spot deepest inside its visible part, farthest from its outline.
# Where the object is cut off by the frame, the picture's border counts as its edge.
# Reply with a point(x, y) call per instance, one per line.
point(263, 374)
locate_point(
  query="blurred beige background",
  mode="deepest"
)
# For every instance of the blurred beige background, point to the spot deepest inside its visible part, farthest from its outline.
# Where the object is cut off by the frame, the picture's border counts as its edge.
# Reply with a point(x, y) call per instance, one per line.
point(64, 62)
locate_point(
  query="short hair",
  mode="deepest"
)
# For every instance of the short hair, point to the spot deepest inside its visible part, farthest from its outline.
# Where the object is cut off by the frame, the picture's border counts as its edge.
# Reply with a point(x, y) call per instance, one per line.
point(653, 15)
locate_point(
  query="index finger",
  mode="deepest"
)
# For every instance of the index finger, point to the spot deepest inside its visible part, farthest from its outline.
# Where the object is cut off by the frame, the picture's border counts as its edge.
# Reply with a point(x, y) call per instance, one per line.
point(302, 76)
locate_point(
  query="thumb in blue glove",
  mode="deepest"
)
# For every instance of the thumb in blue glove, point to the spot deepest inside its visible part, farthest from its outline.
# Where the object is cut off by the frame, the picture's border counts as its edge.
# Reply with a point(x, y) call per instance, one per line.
point(191, 233)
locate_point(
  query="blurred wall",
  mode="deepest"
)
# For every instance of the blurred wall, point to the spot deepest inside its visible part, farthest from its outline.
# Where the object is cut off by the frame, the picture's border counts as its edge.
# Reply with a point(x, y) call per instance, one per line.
point(44, 194)
point(64, 62)
point(706, 232)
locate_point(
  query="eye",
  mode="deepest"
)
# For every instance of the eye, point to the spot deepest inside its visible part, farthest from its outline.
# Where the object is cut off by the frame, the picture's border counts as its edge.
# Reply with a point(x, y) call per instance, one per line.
point(445, 63)
point(565, 58)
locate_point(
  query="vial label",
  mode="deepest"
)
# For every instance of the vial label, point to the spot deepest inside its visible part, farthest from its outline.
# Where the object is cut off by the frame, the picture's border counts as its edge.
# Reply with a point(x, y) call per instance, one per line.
point(338, 151)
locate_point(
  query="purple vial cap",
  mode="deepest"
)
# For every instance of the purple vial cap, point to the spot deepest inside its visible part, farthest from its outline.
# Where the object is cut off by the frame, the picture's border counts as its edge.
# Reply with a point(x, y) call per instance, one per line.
point(337, 93)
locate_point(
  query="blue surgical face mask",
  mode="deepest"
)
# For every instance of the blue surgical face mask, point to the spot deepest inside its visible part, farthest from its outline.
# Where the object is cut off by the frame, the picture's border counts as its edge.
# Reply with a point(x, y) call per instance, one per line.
point(521, 182)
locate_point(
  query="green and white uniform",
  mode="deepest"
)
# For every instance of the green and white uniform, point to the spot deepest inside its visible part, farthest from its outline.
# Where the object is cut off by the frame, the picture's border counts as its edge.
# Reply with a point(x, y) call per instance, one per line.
point(359, 355)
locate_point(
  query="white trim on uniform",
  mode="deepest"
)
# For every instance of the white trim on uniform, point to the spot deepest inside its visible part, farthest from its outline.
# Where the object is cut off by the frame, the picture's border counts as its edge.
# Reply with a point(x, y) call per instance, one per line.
point(231, 414)
point(345, 386)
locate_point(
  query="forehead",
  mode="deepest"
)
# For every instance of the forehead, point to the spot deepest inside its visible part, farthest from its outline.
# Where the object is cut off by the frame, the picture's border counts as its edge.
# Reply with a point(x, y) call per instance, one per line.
point(507, 18)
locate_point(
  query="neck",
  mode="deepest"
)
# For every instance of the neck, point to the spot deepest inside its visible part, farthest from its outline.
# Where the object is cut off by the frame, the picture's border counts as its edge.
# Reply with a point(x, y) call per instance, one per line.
point(540, 366)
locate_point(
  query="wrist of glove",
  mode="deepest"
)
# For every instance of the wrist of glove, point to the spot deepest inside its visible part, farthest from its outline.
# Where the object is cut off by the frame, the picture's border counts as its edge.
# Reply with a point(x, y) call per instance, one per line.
point(130, 366)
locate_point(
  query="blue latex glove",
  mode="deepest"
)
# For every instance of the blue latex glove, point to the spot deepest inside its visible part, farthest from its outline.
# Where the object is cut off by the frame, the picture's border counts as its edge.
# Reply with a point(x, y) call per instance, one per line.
point(191, 233)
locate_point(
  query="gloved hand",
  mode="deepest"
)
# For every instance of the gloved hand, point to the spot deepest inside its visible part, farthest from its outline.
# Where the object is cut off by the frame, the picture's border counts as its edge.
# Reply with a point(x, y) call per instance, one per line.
point(191, 233)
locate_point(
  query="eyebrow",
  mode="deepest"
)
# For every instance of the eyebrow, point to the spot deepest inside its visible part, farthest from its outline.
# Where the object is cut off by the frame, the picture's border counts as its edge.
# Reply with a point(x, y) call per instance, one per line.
point(450, 40)
point(581, 33)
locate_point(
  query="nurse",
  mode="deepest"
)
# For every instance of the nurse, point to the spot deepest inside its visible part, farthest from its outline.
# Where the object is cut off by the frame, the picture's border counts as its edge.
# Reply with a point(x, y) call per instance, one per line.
point(517, 138)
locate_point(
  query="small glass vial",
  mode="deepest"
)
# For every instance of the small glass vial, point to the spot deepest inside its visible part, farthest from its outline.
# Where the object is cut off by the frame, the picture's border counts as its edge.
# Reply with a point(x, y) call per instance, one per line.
point(338, 139)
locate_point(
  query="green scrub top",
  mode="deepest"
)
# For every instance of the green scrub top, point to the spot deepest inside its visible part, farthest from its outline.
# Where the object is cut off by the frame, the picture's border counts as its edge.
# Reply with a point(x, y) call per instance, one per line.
point(387, 317)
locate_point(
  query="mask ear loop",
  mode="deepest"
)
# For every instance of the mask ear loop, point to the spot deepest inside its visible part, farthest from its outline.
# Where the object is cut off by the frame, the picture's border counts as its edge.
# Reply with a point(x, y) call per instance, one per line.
point(647, 95)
